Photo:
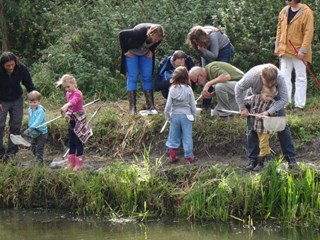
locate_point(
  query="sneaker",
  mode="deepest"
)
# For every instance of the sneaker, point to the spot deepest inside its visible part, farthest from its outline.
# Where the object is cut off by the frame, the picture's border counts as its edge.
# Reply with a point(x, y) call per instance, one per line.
point(189, 160)
point(172, 155)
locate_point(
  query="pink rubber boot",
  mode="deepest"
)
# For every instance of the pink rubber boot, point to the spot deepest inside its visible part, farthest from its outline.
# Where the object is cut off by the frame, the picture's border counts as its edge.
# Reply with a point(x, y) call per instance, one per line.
point(172, 155)
point(78, 163)
point(71, 160)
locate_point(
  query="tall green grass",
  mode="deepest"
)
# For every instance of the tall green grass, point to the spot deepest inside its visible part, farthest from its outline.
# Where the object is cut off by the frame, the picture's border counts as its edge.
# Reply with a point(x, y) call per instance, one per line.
point(143, 189)
point(272, 195)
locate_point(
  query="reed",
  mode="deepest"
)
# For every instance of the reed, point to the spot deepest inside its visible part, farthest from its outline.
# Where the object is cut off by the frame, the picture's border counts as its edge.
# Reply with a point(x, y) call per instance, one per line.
point(143, 189)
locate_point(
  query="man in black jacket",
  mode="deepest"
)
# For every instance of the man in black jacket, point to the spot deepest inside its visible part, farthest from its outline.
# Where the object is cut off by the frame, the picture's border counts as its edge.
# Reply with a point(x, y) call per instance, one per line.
point(12, 73)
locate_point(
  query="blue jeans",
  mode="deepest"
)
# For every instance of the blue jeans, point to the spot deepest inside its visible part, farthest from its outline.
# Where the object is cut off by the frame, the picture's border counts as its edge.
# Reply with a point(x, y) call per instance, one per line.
point(224, 55)
point(180, 129)
point(135, 65)
point(285, 138)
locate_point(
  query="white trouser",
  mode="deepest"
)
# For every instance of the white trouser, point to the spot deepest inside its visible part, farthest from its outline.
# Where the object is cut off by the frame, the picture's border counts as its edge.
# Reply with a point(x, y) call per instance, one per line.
point(286, 66)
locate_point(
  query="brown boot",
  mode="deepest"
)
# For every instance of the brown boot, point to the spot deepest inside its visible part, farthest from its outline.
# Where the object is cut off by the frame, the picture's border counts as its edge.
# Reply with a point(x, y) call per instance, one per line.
point(132, 97)
point(149, 99)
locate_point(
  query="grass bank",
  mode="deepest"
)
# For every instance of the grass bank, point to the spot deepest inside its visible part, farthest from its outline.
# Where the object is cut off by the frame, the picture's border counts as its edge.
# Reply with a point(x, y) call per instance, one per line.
point(144, 189)
point(150, 187)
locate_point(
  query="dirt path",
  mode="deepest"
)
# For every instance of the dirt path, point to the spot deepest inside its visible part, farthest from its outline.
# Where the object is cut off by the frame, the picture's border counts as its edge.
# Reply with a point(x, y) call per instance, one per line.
point(308, 155)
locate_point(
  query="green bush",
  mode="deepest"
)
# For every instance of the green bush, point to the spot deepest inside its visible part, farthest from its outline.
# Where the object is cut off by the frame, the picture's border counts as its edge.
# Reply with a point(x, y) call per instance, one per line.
point(82, 37)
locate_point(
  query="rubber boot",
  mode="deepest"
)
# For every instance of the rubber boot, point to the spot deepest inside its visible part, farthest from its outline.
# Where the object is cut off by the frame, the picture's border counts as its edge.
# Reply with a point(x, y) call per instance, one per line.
point(71, 161)
point(260, 164)
point(292, 163)
point(150, 101)
point(172, 155)
point(189, 160)
point(132, 97)
point(78, 163)
point(252, 164)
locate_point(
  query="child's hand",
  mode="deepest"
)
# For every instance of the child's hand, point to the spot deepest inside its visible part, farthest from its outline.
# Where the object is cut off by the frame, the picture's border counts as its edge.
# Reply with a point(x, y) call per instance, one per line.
point(26, 132)
point(1, 109)
point(64, 109)
point(67, 116)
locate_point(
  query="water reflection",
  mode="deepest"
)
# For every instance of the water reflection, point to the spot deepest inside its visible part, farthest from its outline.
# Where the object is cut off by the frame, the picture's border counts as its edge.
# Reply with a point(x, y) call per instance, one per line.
point(48, 225)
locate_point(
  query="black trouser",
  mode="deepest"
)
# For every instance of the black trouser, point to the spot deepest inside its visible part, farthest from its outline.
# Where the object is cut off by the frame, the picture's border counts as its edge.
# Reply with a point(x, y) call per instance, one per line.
point(15, 110)
point(37, 146)
point(75, 145)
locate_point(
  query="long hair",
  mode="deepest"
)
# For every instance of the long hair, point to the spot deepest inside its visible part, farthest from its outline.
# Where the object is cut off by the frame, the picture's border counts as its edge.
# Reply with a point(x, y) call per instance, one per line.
point(198, 37)
point(156, 29)
point(7, 57)
point(180, 76)
point(67, 78)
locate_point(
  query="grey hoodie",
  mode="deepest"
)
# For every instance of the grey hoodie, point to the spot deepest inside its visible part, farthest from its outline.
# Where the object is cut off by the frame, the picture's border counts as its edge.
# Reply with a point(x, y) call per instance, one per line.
point(180, 101)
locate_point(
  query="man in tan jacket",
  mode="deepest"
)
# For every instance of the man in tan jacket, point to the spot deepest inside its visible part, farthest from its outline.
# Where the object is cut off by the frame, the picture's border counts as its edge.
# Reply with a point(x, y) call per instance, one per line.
point(293, 46)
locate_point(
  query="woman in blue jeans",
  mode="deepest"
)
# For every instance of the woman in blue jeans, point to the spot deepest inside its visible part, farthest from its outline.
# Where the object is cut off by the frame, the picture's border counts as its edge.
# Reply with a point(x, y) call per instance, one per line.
point(180, 111)
point(138, 47)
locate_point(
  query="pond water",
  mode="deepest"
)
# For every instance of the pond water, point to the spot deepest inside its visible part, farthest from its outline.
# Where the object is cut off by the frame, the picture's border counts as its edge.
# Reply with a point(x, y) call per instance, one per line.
point(49, 225)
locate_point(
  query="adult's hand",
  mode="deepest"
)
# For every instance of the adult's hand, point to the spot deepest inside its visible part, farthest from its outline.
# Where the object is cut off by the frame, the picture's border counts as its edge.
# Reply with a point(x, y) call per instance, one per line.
point(201, 49)
point(244, 112)
point(149, 54)
point(207, 95)
point(276, 51)
point(207, 87)
point(300, 55)
point(1, 109)
point(129, 54)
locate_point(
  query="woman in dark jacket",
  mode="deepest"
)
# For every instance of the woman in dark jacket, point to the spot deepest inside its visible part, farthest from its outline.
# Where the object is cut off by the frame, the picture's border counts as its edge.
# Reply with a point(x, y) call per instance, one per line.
point(138, 47)
point(12, 74)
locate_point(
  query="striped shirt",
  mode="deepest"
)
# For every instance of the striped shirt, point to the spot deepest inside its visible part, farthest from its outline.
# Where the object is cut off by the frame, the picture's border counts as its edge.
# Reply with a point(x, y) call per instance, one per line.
point(252, 81)
point(258, 105)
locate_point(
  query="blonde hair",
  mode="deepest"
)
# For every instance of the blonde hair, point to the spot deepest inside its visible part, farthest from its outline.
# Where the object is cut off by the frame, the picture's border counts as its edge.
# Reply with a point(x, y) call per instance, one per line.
point(198, 37)
point(156, 29)
point(269, 90)
point(270, 73)
point(180, 76)
point(67, 78)
point(34, 96)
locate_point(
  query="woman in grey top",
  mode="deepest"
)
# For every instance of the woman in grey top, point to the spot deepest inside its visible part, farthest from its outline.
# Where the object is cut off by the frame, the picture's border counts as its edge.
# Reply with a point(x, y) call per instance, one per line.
point(211, 43)
point(180, 111)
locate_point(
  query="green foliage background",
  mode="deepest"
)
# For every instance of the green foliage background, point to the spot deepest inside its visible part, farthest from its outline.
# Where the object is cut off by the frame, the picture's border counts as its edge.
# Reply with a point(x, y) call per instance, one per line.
point(81, 37)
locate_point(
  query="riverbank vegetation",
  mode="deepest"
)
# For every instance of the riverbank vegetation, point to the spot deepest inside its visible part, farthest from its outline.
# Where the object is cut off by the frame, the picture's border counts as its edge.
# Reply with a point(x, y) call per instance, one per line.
point(148, 186)
point(80, 37)
point(144, 189)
